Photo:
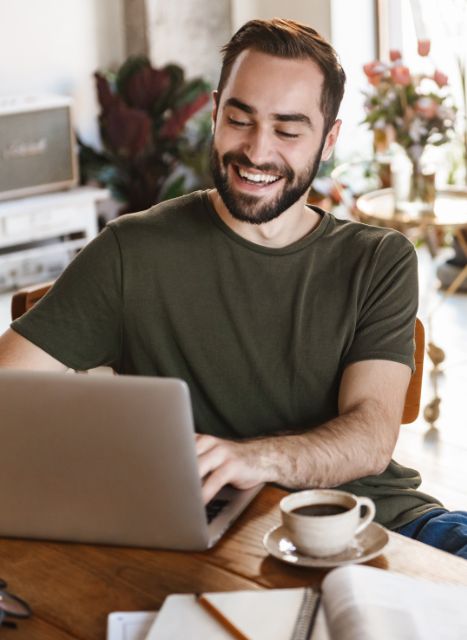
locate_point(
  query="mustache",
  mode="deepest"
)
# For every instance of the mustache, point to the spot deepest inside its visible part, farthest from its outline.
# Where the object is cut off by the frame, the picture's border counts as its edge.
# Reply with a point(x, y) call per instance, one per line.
point(233, 157)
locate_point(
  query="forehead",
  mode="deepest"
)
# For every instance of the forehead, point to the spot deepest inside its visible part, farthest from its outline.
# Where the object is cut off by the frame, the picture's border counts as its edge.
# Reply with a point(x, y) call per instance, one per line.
point(275, 85)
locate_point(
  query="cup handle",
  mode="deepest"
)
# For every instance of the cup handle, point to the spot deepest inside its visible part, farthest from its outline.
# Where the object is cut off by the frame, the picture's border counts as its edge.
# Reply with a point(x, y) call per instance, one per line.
point(370, 512)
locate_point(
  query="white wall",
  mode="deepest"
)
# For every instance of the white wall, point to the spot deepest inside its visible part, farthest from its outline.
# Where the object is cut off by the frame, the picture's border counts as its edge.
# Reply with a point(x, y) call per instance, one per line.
point(355, 46)
point(54, 46)
point(316, 13)
point(190, 33)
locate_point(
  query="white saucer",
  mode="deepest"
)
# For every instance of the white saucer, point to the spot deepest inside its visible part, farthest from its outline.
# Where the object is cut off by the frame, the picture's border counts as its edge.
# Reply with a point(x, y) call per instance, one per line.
point(366, 545)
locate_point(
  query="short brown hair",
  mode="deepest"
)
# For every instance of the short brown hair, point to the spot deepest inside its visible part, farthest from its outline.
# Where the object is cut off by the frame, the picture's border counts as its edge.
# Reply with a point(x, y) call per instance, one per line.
point(294, 40)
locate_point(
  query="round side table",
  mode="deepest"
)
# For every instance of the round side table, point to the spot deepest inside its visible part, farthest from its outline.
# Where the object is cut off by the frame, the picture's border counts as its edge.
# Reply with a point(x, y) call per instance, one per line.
point(450, 212)
point(378, 207)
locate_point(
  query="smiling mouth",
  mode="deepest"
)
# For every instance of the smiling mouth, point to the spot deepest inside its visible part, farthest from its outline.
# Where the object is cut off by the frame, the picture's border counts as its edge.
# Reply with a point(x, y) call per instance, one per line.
point(260, 179)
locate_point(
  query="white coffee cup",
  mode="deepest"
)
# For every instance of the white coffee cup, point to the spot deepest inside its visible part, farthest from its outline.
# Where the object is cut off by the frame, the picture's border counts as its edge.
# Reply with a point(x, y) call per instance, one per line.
point(323, 522)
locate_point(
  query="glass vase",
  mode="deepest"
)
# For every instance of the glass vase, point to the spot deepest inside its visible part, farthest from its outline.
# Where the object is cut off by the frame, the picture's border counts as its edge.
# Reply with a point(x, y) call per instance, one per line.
point(414, 187)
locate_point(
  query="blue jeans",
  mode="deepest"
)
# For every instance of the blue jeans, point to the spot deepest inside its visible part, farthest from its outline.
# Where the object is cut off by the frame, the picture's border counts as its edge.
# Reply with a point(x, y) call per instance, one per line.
point(440, 528)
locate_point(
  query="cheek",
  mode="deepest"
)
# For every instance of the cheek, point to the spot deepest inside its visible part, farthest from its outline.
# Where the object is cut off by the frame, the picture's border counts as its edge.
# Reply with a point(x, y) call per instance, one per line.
point(226, 141)
point(298, 156)
point(221, 136)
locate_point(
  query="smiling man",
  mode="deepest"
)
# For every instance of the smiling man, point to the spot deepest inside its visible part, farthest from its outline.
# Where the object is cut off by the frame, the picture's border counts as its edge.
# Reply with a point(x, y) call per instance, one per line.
point(264, 161)
point(269, 139)
point(293, 330)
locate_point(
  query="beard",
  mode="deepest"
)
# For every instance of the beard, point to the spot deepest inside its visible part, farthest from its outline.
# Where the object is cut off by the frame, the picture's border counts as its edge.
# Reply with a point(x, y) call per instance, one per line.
point(251, 208)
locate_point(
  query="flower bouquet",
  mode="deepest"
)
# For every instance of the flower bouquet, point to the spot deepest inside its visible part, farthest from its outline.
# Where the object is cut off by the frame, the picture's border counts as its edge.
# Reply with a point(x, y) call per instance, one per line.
point(413, 110)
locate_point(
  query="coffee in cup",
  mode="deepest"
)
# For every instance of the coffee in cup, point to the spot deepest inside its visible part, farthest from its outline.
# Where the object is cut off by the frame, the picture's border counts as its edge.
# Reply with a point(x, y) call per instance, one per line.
point(323, 522)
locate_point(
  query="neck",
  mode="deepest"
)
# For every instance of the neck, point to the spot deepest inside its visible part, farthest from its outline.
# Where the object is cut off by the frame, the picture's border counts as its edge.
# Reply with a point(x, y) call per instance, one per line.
point(292, 225)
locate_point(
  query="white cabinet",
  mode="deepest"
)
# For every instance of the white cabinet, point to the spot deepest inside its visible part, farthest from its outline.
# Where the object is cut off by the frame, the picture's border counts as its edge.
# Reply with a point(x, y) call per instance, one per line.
point(39, 235)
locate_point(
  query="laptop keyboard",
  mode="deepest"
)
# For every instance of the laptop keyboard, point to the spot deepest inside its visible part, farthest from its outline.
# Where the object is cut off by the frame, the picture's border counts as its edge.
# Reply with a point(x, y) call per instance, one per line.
point(214, 507)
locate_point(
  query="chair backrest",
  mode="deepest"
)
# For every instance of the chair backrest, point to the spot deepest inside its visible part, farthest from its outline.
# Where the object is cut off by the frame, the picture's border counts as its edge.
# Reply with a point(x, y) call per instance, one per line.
point(414, 392)
point(25, 298)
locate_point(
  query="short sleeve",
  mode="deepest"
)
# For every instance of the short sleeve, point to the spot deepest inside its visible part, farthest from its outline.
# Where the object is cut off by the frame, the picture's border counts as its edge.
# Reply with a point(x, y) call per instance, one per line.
point(388, 306)
point(79, 321)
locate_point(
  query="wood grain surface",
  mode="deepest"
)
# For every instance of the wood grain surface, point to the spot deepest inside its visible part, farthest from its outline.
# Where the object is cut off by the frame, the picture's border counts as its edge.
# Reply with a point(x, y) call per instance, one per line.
point(72, 587)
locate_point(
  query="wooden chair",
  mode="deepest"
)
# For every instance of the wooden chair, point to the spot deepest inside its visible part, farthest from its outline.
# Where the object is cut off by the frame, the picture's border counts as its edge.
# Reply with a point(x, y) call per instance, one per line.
point(414, 391)
point(25, 298)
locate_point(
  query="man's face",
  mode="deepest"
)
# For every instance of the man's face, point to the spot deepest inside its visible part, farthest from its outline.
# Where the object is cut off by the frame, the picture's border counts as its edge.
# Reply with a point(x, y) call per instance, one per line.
point(268, 137)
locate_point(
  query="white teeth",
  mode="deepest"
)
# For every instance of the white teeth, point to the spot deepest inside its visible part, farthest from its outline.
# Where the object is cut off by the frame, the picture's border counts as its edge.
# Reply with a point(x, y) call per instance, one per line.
point(257, 177)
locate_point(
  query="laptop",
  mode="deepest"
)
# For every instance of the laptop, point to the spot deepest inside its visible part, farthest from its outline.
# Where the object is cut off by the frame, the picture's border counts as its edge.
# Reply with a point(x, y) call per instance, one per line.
point(105, 459)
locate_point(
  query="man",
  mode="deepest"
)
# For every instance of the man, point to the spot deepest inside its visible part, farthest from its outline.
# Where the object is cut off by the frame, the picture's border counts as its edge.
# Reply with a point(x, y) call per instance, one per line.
point(293, 330)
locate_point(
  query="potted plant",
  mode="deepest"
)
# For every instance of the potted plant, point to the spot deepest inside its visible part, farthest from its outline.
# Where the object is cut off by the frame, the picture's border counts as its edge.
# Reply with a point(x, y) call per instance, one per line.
point(153, 147)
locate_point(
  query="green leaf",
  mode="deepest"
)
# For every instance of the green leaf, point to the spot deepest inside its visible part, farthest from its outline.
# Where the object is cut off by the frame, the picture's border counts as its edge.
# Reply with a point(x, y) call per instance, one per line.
point(191, 91)
point(173, 189)
point(128, 68)
point(177, 78)
point(91, 163)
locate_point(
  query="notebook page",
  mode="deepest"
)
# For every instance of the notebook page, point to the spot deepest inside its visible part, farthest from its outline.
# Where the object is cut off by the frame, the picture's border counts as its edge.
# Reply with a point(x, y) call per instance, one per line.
point(362, 603)
point(259, 615)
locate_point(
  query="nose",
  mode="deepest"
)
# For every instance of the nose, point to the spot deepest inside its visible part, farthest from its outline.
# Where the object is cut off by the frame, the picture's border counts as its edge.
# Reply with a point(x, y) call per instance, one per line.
point(258, 146)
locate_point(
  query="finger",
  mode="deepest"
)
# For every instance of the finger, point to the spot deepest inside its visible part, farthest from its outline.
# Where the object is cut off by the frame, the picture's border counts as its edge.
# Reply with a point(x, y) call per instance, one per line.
point(210, 461)
point(204, 443)
point(214, 483)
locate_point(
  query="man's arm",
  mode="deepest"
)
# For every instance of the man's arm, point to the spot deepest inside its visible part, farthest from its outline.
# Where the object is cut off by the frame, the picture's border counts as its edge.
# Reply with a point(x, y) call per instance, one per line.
point(358, 443)
point(17, 352)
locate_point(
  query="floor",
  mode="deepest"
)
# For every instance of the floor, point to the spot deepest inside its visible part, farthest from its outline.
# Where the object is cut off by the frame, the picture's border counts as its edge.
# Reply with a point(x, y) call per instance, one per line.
point(439, 452)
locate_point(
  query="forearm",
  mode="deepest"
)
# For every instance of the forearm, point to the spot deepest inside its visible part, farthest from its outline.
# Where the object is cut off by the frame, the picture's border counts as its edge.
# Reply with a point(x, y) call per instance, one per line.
point(353, 445)
point(357, 443)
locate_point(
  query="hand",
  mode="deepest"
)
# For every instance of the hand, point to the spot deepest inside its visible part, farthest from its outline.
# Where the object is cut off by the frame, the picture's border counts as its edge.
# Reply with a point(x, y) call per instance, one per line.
point(222, 462)
point(343, 449)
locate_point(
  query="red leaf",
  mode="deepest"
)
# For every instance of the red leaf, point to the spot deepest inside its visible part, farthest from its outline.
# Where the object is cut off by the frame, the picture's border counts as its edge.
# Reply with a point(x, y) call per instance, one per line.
point(125, 130)
point(104, 94)
point(175, 123)
point(145, 86)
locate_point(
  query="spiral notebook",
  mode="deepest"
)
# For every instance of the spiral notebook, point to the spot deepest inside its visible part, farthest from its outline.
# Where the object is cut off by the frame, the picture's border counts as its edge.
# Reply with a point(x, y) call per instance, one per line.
point(282, 614)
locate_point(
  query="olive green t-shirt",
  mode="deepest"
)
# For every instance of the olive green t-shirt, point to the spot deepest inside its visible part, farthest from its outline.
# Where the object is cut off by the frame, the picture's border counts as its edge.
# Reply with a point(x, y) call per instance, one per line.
point(261, 335)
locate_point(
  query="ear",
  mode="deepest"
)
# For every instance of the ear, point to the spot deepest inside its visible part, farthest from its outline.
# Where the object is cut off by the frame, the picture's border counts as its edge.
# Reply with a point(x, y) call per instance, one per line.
point(331, 140)
point(215, 105)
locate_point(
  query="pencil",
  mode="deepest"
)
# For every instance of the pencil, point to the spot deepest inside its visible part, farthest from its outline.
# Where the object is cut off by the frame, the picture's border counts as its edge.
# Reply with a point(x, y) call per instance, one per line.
point(219, 616)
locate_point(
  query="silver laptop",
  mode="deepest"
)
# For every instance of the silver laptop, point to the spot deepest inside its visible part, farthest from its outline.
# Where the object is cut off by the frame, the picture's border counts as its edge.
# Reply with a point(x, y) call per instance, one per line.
point(105, 459)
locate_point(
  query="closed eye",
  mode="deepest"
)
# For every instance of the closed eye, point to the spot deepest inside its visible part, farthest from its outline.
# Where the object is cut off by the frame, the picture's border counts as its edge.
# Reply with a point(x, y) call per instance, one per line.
point(237, 123)
point(286, 134)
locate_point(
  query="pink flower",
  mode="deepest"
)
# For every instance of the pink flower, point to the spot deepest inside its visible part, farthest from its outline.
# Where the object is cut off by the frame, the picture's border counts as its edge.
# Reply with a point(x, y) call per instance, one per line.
point(427, 108)
point(401, 75)
point(374, 71)
point(395, 54)
point(440, 78)
point(423, 47)
point(374, 68)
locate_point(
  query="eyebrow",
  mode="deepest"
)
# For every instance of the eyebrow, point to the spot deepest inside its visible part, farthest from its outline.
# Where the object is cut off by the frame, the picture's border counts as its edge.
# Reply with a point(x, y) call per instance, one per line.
point(281, 117)
point(292, 117)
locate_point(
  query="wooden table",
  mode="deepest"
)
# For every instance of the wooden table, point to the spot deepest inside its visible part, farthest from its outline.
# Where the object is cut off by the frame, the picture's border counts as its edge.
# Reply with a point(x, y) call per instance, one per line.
point(450, 212)
point(71, 588)
point(378, 207)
